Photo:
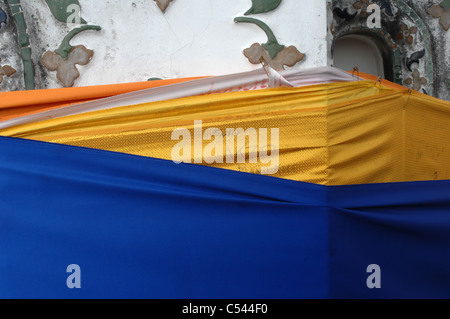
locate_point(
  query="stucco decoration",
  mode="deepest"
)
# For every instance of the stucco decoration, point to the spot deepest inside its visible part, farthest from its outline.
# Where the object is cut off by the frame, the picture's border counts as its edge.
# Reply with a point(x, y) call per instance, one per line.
point(64, 59)
point(66, 10)
point(288, 56)
point(425, 42)
point(275, 54)
point(361, 6)
point(66, 47)
point(404, 40)
point(263, 6)
point(417, 81)
point(414, 58)
point(441, 11)
point(65, 68)
point(271, 46)
point(407, 33)
point(5, 70)
point(163, 4)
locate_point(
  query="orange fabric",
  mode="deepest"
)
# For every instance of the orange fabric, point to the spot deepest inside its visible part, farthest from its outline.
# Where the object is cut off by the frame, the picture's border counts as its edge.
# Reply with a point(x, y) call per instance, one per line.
point(21, 103)
point(384, 82)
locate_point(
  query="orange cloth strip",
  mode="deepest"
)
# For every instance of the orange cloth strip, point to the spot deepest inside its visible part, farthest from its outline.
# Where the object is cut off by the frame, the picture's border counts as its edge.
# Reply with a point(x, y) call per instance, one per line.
point(21, 103)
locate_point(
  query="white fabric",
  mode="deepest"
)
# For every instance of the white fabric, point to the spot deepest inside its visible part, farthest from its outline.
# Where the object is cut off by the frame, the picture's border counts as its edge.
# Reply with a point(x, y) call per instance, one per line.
point(253, 80)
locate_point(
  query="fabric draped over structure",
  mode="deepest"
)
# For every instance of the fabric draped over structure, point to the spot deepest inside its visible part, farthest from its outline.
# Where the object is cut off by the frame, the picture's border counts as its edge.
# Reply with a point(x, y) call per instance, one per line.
point(363, 179)
point(332, 134)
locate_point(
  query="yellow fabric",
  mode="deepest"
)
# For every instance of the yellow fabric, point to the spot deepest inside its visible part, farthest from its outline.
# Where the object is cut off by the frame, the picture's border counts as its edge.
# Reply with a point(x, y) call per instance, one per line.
point(331, 134)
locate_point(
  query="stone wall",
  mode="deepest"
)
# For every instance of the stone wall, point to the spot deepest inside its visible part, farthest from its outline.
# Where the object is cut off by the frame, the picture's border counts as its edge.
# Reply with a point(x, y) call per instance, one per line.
point(143, 39)
point(415, 35)
point(62, 43)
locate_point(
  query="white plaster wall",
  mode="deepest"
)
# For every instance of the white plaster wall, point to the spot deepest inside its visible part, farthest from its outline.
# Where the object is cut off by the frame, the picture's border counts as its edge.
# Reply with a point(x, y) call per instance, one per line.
point(8, 40)
point(192, 38)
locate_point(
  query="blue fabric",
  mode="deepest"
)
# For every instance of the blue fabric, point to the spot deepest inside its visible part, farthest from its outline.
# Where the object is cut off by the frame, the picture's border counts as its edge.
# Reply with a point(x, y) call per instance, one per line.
point(148, 228)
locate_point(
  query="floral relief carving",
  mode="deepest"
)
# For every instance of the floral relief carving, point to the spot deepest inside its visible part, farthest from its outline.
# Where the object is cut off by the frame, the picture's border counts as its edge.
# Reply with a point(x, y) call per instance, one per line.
point(441, 12)
point(406, 33)
point(288, 56)
point(417, 80)
point(275, 54)
point(66, 69)
point(6, 70)
point(362, 6)
point(64, 59)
